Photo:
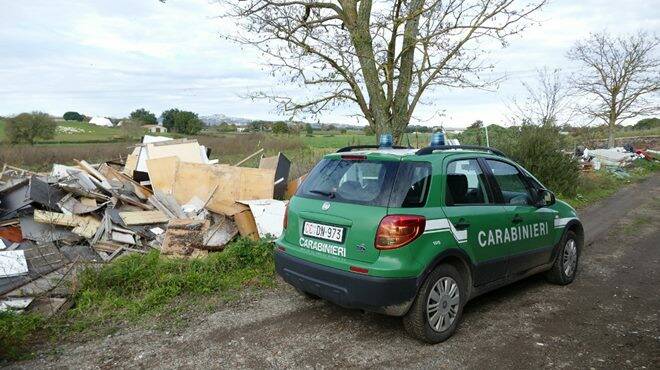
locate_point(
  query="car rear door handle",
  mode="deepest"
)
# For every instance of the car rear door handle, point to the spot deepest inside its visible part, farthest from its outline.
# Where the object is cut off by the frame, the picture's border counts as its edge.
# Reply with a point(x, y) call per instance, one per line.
point(462, 224)
point(517, 219)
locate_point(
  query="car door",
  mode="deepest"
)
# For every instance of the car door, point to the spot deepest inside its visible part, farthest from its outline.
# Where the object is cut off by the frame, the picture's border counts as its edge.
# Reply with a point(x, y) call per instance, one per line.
point(471, 211)
point(527, 229)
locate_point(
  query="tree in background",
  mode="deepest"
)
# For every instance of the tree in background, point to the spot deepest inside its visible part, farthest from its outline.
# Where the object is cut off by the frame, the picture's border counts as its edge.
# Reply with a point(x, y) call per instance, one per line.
point(168, 118)
point(27, 127)
point(309, 130)
point(330, 127)
point(647, 124)
point(477, 124)
point(280, 127)
point(144, 116)
point(73, 116)
point(186, 122)
point(547, 101)
point(227, 127)
point(382, 56)
point(617, 74)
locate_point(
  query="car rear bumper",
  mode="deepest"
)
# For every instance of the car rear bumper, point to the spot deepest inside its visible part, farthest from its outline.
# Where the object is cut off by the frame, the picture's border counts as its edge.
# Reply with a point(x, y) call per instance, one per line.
point(390, 296)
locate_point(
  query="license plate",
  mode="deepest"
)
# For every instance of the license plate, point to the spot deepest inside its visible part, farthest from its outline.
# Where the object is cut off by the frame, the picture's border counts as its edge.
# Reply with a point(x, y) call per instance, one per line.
point(333, 233)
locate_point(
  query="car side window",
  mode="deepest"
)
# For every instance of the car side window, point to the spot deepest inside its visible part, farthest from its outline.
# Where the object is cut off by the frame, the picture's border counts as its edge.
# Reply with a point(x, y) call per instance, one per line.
point(466, 183)
point(511, 183)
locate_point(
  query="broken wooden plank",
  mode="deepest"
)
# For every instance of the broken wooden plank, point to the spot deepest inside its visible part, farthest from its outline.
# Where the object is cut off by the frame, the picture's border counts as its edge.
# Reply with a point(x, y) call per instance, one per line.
point(106, 246)
point(84, 226)
point(104, 183)
point(249, 157)
point(143, 217)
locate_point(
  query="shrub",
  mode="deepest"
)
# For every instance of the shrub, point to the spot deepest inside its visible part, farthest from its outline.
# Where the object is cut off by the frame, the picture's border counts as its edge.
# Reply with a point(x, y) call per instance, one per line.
point(539, 150)
point(27, 127)
point(131, 128)
point(280, 127)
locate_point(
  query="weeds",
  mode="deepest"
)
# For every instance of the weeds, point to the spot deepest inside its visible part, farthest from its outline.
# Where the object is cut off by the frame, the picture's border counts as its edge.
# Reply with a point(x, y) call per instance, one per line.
point(594, 186)
point(16, 331)
point(139, 284)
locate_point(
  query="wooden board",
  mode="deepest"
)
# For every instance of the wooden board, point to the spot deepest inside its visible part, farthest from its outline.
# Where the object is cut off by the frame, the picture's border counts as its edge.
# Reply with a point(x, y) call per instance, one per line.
point(162, 173)
point(143, 217)
point(188, 180)
point(186, 151)
point(84, 226)
point(184, 237)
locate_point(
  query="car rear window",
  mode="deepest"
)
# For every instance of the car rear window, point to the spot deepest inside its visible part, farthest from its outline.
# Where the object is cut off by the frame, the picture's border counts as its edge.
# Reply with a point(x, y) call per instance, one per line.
point(411, 186)
point(369, 182)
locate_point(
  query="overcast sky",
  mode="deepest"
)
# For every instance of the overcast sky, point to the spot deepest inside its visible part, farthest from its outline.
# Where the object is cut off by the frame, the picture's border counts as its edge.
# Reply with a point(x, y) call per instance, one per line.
point(110, 57)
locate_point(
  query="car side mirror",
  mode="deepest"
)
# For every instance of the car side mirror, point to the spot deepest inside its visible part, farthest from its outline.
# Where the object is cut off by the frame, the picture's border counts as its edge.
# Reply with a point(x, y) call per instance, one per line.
point(545, 198)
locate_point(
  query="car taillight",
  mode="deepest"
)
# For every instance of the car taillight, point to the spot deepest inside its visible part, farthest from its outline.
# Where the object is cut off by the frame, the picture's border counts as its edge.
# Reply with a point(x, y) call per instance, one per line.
point(285, 221)
point(395, 231)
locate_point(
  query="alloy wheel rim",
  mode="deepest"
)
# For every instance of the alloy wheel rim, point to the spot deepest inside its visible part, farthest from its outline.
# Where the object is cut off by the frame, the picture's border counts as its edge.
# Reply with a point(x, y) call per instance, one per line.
point(570, 257)
point(442, 304)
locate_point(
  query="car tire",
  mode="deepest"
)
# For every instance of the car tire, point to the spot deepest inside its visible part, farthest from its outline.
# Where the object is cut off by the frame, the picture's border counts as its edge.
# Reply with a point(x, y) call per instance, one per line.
point(565, 268)
point(437, 293)
point(307, 295)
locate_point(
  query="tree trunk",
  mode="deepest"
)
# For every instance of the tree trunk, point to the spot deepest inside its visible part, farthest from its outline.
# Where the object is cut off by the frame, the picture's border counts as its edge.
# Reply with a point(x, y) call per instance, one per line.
point(611, 126)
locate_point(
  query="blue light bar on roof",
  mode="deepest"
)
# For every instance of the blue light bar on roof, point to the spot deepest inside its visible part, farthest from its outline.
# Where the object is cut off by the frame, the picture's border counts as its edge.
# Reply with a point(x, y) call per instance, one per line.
point(386, 141)
point(438, 139)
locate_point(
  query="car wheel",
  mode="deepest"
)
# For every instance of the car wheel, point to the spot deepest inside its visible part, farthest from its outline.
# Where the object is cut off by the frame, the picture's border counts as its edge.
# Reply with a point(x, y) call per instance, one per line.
point(437, 309)
point(565, 268)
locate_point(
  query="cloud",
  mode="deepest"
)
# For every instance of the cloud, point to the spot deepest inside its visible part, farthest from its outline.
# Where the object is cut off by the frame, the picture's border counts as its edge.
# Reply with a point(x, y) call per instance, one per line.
point(110, 57)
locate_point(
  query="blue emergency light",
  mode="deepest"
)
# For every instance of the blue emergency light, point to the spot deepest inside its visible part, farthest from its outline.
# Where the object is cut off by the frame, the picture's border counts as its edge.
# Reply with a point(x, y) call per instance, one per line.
point(438, 139)
point(386, 141)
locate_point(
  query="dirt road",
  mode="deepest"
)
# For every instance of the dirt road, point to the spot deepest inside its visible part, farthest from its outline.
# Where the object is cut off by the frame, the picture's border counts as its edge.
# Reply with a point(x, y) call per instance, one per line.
point(608, 318)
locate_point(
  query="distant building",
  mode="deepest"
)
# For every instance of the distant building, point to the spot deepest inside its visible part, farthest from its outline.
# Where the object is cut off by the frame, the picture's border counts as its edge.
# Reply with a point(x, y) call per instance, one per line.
point(100, 121)
point(241, 128)
point(154, 129)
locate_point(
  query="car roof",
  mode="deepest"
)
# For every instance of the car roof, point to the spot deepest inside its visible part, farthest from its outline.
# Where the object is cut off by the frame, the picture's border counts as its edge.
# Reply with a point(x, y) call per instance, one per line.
point(403, 153)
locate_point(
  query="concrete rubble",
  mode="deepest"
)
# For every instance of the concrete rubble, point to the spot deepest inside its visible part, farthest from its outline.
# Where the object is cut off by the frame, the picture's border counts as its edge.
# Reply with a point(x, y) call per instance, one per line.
point(167, 196)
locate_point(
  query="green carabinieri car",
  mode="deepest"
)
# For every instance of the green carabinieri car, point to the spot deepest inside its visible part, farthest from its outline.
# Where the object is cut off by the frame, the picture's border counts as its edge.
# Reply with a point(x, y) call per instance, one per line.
point(419, 232)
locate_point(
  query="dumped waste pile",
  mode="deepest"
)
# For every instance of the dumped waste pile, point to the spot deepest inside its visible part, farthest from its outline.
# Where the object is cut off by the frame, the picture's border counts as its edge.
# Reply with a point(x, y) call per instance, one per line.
point(167, 196)
point(613, 159)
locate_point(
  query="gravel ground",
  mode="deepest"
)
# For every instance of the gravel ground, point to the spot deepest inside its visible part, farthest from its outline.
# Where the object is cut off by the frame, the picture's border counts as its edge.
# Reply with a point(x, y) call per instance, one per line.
point(608, 318)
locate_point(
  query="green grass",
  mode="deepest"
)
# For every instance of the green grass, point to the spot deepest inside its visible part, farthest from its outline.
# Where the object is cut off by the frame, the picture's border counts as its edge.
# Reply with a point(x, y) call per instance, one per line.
point(82, 132)
point(139, 285)
point(594, 186)
point(16, 331)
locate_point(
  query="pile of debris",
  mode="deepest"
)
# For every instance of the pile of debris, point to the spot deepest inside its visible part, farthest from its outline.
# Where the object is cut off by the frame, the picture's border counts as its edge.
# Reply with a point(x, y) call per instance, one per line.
point(167, 196)
point(612, 159)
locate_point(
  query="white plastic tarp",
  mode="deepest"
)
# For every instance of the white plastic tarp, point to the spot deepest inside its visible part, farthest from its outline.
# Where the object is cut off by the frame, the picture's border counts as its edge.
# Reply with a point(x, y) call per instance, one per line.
point(268, 214)
point(13, 263)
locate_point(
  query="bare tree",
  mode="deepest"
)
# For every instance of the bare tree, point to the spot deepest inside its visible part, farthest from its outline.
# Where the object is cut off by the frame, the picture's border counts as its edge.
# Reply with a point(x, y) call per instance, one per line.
point(382, 56)
point(618, 75)
point(547, 100)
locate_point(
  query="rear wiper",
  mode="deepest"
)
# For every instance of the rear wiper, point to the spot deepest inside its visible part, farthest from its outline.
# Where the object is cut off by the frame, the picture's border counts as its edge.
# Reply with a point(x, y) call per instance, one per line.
point(328, 194)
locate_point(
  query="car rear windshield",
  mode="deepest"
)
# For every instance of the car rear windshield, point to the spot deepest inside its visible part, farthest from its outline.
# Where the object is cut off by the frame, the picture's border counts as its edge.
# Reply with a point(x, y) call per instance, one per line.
point(366, 182)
